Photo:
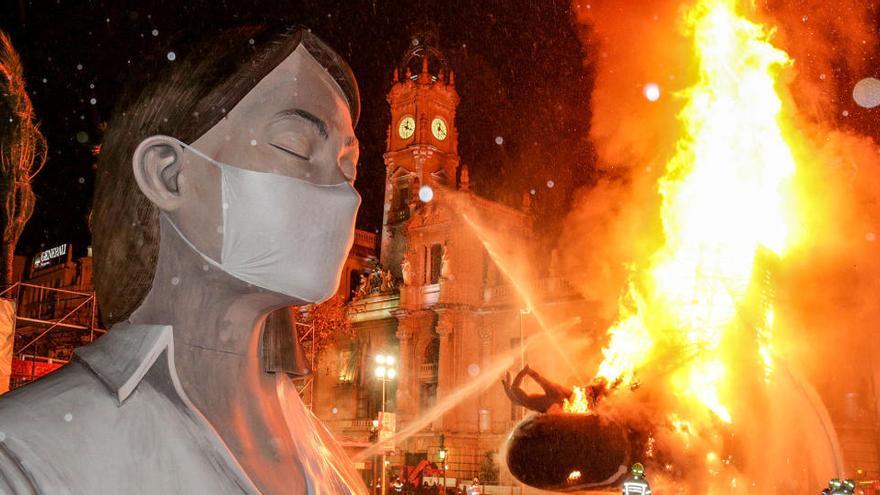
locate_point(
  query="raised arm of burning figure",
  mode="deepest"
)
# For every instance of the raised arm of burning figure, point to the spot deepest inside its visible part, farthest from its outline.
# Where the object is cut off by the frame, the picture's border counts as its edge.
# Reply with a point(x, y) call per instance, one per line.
point(554, 394)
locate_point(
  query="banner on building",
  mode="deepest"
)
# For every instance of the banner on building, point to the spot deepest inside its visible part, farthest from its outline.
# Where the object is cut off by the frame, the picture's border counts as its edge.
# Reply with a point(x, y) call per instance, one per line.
point(7, 336)
point(25, 369)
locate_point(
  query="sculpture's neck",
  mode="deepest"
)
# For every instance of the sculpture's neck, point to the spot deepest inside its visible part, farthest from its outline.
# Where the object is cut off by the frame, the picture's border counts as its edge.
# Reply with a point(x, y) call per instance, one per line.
point(217, 323)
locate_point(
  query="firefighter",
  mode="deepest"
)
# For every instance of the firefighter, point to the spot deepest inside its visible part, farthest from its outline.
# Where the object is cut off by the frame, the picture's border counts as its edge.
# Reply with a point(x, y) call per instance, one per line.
point(838, 487)
point(636, 484)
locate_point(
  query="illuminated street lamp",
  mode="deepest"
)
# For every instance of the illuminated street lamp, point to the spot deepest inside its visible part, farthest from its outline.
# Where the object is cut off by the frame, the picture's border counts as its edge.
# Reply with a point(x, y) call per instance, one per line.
point(385, 371)
point(442, 454)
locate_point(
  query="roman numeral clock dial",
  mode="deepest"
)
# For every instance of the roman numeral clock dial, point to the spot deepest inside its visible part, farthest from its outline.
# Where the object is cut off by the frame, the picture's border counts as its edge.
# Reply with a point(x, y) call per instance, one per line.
point(407, 127)
point(438, 128)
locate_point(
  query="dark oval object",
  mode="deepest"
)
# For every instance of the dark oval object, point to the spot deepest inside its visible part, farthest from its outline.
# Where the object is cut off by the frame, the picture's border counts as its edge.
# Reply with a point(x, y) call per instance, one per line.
point(545, 449)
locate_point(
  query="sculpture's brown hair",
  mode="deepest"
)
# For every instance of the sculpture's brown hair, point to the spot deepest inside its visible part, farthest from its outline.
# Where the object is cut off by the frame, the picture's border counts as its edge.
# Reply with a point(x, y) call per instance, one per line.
point(193, 93)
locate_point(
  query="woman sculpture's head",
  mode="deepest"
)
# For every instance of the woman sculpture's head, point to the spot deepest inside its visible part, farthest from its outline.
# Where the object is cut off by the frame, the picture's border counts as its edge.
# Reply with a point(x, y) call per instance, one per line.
point(246, 145)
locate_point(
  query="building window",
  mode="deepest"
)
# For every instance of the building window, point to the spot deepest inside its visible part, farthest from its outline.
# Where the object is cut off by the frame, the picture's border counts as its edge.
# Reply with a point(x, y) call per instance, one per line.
point(346, 366)
point(436, 262)
point(403, 197)
point(425, 264)
point(354, 282)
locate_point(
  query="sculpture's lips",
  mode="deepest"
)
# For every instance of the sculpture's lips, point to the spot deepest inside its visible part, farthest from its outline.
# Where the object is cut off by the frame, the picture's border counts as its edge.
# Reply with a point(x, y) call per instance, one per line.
point(568, 452)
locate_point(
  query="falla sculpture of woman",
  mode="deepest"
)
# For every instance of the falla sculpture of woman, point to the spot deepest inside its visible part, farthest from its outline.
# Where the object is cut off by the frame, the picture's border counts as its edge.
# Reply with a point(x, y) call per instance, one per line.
point(224, 192)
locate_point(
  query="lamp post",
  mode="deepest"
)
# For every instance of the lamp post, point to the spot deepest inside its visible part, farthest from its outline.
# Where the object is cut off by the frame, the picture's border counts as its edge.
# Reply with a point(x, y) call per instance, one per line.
point(442, 454)
point(385, 371)
point(374, 437)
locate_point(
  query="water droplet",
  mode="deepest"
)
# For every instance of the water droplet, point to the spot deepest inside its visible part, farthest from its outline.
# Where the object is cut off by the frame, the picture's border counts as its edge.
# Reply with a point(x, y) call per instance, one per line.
point(82, 137)
point(68, 417)
point(473, 369)
point(251, 41)
point(155, 32)
point(334, 410)
point(79, 66)
point(175, 280)
point(532, 192)
point(81, 180)
point(499, 140)
point(550, 184)
point(253, 142)
point(866, 92)
point(171, 56)
point(870, 237)
point(93, 101)
point(426, 194)
point(651, 91)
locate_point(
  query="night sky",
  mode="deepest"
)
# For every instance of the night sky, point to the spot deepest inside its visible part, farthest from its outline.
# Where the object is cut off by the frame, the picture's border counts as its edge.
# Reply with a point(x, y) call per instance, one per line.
point(520, 72)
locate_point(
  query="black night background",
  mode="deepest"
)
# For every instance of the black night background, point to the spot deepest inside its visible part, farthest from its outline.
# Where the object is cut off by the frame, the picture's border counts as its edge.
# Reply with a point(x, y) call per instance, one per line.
point(519, 67)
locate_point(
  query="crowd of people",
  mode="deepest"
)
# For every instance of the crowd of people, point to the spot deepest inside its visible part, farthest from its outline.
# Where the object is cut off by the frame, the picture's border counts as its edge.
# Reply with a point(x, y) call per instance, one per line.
point(432, 487)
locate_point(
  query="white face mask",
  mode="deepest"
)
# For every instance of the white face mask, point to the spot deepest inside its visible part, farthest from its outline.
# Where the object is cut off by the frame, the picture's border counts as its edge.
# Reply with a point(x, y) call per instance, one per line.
point(281, 233)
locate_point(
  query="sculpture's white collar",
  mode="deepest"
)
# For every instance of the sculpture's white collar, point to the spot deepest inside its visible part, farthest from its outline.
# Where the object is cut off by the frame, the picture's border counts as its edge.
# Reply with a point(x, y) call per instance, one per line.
point(122, 357)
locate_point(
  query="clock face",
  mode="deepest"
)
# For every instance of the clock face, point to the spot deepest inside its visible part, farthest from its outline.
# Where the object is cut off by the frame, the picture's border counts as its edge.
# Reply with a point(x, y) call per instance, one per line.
point(407, 127)
point(438, 128)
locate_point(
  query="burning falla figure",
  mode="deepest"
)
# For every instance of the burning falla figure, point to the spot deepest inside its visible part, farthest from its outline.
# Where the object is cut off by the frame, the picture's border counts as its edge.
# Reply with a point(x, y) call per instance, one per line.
point(567, 452)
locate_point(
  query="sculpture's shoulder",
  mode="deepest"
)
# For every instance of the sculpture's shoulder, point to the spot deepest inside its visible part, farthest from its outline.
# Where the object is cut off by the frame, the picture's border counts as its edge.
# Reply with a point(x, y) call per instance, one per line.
point(111, 421)
point(40, 422)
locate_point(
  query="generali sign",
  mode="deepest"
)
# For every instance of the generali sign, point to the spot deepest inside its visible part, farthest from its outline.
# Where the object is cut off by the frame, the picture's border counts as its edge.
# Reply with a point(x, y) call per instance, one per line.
point(50, 257)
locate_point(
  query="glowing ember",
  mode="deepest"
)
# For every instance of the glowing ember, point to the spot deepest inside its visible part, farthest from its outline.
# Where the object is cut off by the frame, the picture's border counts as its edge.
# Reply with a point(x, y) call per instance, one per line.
point(723, 199)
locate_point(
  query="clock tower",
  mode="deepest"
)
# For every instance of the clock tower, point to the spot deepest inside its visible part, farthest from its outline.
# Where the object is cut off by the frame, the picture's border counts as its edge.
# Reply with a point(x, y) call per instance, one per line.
point(422, 143)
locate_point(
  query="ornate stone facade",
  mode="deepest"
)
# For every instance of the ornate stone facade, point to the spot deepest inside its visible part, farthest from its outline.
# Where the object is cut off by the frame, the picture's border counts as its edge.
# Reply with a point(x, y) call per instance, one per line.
point(453, 318)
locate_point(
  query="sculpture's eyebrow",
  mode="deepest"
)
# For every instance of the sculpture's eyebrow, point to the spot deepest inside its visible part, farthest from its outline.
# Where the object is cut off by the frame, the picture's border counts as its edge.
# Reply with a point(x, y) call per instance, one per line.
point(309, 117)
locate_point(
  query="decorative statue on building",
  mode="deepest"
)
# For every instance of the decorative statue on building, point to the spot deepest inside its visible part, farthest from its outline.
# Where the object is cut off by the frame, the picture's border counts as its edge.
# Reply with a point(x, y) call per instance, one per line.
point(386, 284)
point(376, 282)
point(224, 192)
point(445, 268)
point(407, 271)
point(363, 289)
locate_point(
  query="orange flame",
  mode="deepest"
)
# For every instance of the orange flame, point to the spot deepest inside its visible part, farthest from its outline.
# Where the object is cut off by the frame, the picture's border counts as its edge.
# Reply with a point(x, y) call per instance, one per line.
point(724, 196)
point(577, 403)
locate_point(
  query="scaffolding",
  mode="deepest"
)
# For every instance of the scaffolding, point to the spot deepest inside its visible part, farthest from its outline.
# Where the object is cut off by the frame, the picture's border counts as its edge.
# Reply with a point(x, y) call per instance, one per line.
point(43, 312)
point(305, 335)
point(44, 316)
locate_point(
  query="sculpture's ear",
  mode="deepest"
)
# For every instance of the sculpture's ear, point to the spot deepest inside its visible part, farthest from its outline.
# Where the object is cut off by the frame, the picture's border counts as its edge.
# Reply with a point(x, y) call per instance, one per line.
point(156, 164)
